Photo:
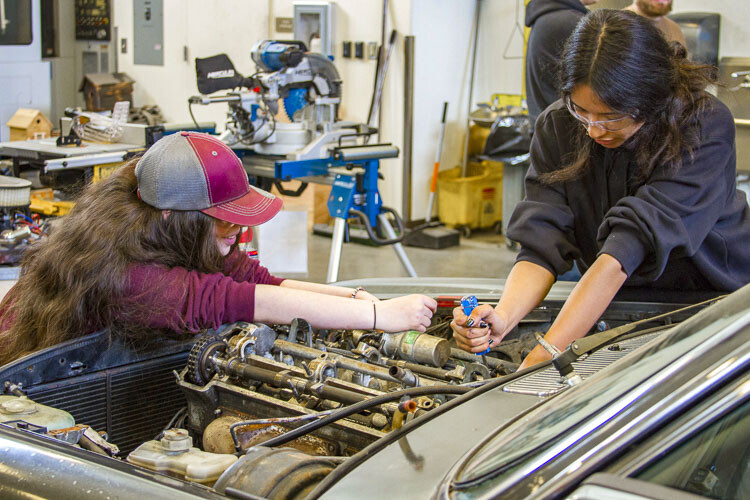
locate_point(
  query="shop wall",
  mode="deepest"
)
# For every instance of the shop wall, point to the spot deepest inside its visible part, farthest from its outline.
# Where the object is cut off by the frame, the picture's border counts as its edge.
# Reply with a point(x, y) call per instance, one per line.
point(443, 30)
point(199, 28)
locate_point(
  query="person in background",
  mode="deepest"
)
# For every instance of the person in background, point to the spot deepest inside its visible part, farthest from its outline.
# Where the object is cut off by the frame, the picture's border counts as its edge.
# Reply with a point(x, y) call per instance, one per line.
point(656, 11)
point(153, 249)
point(551, 23)
point(632, 177)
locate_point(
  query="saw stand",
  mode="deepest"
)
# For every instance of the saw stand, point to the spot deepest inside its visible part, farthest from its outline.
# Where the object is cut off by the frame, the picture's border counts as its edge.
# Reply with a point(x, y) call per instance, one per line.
point(354, 194)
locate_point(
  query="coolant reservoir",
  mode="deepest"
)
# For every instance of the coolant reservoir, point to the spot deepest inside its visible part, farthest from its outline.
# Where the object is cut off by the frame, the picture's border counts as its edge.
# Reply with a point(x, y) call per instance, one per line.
point(22, 408)
point(176, 456)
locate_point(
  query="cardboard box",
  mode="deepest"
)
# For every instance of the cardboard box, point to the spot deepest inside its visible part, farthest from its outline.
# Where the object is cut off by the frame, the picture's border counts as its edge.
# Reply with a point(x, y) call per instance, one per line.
point(102, 90)
point(29, 124)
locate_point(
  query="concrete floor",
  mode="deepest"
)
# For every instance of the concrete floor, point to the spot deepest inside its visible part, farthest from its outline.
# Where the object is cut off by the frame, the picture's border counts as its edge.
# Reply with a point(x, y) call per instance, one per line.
point(483, 255)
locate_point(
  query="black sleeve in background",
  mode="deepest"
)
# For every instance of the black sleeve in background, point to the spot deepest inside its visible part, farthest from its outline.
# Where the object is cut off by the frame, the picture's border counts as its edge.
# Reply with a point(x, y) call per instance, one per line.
point(546, 41)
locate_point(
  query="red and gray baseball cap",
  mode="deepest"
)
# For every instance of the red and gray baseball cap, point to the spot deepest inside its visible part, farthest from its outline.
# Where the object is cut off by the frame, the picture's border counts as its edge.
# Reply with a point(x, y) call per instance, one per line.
point(194, 171)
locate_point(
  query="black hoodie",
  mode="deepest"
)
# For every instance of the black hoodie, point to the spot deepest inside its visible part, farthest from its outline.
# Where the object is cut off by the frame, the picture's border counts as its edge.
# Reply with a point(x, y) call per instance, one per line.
point(551, 23)
point(682, 229)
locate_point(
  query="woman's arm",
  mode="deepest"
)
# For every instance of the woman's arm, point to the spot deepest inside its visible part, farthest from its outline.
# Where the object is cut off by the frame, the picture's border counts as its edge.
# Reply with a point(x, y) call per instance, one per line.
point(337, 291)
point(526, 286)
point(584, 306)
point(280, 304)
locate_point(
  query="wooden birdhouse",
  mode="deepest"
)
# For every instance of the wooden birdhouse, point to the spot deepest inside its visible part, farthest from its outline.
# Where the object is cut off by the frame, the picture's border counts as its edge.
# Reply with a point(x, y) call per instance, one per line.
point(102, 90)
point(29, 124)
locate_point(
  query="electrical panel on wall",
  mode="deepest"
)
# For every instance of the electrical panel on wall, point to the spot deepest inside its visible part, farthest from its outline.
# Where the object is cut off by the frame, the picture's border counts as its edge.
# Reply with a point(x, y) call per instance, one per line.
point(93, 20)
point(314, 24)
point(148, 32)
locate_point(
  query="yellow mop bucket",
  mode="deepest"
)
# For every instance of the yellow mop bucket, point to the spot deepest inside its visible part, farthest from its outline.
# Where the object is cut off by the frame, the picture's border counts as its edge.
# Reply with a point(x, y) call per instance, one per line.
point(474, 201)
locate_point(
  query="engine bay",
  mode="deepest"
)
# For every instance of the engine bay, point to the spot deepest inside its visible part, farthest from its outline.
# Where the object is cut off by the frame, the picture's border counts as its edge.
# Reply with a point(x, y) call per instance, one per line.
point(268, 410)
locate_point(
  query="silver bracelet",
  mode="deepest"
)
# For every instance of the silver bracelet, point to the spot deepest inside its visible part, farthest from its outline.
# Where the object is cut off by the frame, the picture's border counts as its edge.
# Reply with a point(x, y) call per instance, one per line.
point(357, 290)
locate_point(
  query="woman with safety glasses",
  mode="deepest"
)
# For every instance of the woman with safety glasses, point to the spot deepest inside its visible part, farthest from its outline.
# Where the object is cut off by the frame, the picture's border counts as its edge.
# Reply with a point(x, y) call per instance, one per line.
point(632, 177)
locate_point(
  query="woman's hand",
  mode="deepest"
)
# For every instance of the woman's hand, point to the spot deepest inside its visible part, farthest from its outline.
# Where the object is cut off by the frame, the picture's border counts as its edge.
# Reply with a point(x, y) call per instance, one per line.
point(470, 335)
point(411, 312)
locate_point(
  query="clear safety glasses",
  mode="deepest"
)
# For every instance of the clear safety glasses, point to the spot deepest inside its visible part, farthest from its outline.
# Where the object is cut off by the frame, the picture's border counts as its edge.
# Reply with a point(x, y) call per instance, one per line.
point(608, 125)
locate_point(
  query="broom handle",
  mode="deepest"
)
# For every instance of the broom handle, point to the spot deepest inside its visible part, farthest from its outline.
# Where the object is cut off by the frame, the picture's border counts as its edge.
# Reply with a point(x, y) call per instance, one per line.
point(436, 167)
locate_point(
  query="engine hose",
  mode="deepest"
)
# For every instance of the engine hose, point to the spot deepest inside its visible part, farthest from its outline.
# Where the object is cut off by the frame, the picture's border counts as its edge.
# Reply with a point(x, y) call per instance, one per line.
point(355, 460)
point(363, 405)
point(404, 407)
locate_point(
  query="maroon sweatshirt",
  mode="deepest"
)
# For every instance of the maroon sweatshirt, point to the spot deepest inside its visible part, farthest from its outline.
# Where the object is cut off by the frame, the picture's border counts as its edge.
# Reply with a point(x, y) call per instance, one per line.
point(183, 300)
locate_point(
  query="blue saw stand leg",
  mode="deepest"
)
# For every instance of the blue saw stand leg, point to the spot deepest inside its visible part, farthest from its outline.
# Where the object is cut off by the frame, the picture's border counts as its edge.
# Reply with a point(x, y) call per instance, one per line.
point(353, 194)
point(350, 192)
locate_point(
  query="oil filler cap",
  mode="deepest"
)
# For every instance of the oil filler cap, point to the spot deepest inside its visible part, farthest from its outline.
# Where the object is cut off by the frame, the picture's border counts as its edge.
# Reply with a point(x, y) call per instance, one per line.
point(20, 406)
point(176, 441)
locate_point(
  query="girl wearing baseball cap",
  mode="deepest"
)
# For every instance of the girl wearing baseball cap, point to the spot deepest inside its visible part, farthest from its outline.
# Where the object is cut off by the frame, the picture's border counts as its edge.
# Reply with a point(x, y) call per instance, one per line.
point(154, 248)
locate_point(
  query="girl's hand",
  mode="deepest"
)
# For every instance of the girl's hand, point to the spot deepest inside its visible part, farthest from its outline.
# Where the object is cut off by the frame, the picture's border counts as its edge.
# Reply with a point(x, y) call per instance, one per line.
point(472, 337)
point(411, 312)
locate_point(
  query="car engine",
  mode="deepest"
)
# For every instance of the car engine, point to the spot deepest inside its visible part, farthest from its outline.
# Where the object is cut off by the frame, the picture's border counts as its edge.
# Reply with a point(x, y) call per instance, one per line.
point(267, 410)
point(271, 376)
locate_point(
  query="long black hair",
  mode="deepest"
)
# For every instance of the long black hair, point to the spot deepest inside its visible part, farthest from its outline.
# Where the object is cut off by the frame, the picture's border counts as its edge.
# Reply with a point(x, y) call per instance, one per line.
point(632, 68)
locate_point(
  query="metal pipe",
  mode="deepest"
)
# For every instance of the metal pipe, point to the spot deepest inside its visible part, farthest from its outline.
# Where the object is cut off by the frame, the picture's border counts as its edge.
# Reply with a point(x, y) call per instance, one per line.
point(366, 152)
point(420, 369)
point(471, 84)
point(494, 363)
point(428, 371)
point(276, 379)
point(337, 242)
point(408, 126)
point(339, 360)
point(406, 377)
point(397, 247)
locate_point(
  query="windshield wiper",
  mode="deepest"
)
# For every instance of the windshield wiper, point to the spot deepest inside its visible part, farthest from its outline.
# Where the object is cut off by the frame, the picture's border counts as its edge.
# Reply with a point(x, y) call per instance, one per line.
point(563, 361)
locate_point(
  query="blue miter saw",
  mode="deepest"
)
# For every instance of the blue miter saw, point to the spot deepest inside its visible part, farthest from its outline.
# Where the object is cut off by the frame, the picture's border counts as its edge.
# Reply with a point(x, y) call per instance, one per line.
point(303, 86)
point(311, 142)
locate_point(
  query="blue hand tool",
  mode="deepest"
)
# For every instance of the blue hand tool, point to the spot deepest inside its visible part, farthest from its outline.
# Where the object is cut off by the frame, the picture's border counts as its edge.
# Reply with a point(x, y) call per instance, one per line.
point(468, 303)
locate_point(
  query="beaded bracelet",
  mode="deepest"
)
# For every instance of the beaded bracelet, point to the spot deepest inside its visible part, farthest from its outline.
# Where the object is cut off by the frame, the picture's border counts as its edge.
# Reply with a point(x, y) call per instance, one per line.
point(357, 290)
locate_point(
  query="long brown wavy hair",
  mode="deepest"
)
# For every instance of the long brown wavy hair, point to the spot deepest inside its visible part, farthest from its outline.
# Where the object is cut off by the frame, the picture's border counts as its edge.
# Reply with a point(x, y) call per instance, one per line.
point(71, 282)
point(631, 67)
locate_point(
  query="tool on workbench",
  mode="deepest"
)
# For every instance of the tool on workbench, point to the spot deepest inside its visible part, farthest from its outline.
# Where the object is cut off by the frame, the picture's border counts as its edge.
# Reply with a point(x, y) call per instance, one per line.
point(313, 144)
point(468, 304)
point(308, 86)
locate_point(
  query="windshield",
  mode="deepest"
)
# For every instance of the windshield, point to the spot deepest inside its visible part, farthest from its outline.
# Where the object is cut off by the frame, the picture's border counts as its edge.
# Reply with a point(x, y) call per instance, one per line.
point(532, 437)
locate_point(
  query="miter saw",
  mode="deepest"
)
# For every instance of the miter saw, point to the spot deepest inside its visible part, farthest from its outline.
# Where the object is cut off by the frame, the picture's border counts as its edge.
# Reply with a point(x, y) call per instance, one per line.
point(304, 89)
point(290, 81)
